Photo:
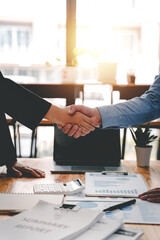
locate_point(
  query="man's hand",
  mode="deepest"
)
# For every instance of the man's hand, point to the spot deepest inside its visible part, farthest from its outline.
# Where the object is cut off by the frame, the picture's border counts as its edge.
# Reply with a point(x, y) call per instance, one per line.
point(62, 117)
point(152, 195)
point(19, 170)
point(75, 131)
point(90, 112)
point(85, 123)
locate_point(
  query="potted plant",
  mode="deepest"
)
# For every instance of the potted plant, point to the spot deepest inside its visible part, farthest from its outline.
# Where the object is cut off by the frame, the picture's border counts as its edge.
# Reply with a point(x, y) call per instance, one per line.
point(142, 139)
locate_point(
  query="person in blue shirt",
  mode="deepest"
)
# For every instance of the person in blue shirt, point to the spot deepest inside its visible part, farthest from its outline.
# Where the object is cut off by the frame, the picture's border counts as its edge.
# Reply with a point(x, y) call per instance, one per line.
point(133, 112)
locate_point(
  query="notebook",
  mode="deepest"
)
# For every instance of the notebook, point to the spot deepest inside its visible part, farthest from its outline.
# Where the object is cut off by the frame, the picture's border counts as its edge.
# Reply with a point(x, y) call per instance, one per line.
point(114, 185)
point(18, 202)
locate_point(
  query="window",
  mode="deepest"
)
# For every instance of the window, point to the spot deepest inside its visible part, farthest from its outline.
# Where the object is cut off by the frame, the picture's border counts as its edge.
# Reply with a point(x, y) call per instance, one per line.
point(119, 31)
point(5, 38)
point(23, 38)
point(33, 38)
point(123, 31)
point(14, 37)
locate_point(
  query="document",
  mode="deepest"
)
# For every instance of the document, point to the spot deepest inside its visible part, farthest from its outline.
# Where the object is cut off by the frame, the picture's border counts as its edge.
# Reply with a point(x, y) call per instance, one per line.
point(114, 185)
point(142, 212)
point(81, 197)
point(99, 205)
point(101, 230)
point(46, 221)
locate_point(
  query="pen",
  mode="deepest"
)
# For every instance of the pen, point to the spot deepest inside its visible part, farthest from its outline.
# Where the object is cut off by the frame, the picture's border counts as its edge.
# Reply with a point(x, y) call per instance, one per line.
point(110, 172)
point(65, 172)
point(11, 212)
point(120, 205)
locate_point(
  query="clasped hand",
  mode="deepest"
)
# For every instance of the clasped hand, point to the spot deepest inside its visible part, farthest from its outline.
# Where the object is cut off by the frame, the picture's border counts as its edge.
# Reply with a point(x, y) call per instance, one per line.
point(89, 119)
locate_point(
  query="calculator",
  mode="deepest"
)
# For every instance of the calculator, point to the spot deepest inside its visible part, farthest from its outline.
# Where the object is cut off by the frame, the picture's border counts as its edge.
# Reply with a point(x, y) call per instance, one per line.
point(59, 188)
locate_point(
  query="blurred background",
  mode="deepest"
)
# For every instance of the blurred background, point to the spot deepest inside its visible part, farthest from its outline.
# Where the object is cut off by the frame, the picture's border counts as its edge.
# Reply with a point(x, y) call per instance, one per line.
point(56, 41)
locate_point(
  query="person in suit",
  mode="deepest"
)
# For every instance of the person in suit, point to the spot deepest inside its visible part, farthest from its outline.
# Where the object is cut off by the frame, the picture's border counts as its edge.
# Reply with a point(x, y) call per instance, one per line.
point(133, 112)
point(28, 108)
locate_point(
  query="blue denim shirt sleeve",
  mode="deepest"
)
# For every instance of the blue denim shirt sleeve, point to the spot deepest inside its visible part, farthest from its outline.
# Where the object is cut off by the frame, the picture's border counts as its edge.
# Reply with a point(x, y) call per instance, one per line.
point(135, 111)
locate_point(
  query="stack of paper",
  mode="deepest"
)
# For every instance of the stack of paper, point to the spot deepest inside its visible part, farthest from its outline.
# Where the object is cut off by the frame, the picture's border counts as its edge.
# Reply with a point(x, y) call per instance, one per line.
point(101, 230)
point(47, 221)
point(106, 229)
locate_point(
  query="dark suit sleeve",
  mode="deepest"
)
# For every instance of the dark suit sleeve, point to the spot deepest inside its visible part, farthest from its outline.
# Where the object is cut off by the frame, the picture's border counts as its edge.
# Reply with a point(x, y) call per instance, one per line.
point(7, 150)
point(21, 104)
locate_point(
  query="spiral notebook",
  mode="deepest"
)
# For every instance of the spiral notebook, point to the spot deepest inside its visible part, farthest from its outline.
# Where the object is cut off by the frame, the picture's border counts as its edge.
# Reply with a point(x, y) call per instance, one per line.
point(18, 202)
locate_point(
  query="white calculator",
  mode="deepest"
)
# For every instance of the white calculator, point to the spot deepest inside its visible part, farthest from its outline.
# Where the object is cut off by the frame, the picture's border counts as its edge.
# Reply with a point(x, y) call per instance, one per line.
point(59, 188)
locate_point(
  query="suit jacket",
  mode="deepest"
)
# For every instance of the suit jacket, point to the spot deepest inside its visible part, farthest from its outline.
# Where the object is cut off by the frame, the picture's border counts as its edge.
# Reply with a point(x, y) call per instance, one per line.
point(23, 106)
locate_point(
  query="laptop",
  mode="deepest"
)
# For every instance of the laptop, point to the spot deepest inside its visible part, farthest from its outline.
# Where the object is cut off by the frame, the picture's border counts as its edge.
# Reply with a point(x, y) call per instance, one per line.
point(97, 151)
point(78, 169)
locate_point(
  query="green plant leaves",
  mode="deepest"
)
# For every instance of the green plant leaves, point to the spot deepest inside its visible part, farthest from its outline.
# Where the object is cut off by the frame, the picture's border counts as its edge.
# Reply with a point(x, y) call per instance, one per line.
point(141, 137)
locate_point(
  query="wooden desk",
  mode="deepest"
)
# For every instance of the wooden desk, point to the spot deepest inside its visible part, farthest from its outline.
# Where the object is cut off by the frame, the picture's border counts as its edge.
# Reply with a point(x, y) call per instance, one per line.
point(70, 91)
point(13, 185)
point(129, 91)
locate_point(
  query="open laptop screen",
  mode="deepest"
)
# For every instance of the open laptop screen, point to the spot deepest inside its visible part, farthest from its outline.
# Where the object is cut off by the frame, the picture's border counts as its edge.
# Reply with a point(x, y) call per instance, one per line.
point(101, 147)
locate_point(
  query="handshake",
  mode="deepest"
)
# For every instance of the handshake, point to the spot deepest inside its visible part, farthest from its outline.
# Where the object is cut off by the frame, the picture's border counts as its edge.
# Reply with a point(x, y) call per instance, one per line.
point(75, 120)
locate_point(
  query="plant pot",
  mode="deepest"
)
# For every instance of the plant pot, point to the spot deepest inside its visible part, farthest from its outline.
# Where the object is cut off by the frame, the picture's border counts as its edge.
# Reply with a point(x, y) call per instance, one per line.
point(143, 156)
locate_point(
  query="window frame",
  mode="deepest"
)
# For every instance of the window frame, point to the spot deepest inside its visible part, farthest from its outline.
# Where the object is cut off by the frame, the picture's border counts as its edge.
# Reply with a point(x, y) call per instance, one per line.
point(70, 31)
